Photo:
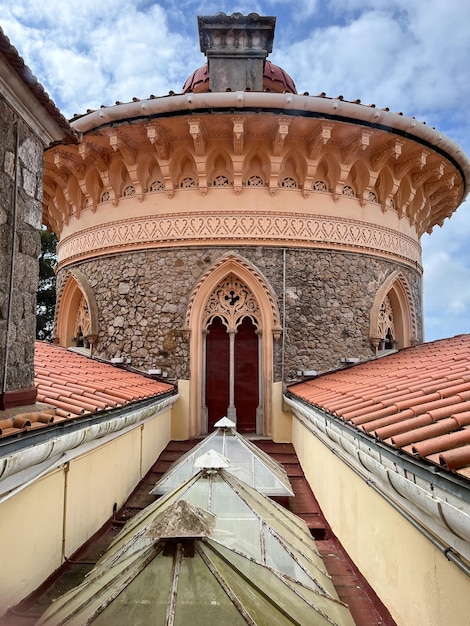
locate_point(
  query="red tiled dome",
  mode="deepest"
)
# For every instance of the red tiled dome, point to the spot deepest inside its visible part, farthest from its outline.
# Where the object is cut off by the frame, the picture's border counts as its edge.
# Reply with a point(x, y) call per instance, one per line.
point(274, 79)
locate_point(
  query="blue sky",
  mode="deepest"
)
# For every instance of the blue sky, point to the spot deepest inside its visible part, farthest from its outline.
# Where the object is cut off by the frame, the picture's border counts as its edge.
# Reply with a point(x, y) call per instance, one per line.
point(410, 55)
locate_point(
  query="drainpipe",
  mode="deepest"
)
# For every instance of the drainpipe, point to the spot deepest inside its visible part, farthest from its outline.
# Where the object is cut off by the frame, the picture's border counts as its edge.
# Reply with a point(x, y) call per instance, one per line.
point(64, 510)
point(283, 345)
point(12, 263)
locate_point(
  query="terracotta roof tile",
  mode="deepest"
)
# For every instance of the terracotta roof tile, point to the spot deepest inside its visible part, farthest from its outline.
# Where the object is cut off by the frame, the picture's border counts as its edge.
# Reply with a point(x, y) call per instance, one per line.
point(73, 385)
point(417, 400)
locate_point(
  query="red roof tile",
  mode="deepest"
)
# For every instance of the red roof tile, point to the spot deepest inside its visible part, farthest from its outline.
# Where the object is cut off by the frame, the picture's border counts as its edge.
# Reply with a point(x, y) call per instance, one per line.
point(73, 385)
point(417, 400)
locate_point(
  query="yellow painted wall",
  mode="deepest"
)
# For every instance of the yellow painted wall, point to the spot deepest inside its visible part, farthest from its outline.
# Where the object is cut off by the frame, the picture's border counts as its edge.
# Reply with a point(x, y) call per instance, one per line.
point(89, 490)
point(31, 537)
point(412, 578)
point(282, 419)
point(33, 522)
point(180, 427)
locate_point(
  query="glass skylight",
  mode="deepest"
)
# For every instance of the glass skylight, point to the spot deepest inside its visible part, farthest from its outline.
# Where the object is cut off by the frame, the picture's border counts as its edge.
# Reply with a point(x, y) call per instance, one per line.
point(247, 462)
point(185, 576)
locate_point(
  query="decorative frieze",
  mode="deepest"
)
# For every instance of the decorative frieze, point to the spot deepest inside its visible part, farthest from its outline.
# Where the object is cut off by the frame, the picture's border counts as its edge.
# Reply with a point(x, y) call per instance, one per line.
point(241, 227)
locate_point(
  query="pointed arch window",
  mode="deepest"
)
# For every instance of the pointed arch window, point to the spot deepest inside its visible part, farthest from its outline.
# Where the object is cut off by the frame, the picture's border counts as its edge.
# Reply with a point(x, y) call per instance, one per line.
point(386, 326)
point(393, 320)
point(231, 322)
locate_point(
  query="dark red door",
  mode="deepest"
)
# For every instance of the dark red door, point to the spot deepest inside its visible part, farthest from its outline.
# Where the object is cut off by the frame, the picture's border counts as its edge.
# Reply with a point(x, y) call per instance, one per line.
point(217, 372)
point(246, 391)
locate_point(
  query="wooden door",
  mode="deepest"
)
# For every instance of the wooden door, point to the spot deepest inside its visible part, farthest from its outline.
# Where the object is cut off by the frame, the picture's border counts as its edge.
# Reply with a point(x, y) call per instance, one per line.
point(246, 373)
point(217, 372)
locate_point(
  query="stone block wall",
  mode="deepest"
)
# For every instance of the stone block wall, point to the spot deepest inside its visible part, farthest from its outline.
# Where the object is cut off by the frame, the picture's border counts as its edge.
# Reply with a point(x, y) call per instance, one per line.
point(142, 299)
point(21, 166)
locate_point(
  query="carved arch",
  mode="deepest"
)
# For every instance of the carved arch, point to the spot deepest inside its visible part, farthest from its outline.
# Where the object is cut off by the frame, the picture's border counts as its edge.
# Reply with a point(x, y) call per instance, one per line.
point(149, 171)
point(328, 170)
point(401, 301)
point(232, 263)
point(184, 170)
point(293, 167)
point(268, 324)
point(359, 177)
point(219, 169)
point(256, 165)
point(76, 291)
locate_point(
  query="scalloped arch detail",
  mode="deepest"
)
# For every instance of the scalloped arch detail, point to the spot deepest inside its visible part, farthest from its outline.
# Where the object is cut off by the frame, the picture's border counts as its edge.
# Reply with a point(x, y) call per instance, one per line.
point(232, 263)
point(396, 287)
point(75, 286)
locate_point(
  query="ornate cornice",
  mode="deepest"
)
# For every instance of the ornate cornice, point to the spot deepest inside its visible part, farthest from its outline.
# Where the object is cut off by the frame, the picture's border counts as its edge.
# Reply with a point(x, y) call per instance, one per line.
point(241, 228)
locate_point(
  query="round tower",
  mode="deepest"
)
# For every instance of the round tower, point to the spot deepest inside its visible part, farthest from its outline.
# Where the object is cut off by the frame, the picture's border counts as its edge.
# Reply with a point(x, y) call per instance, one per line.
point(239, 235)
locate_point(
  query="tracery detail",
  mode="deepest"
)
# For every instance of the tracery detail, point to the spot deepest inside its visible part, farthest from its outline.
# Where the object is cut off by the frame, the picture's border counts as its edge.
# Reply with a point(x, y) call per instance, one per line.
point(372, 196)
point(157, 185)
point(231, 300)
point(221, 181)
point(105, 197)
point(255, 181)
point(386, 325)
point(187, 183)
point(289, 183)
point(319, 185)
point(82, 322)
point(129, 191)
point(348, 191)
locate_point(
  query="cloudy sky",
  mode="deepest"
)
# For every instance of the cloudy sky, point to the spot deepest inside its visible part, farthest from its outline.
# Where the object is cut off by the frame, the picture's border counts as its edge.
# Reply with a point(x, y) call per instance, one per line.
point(410, 55)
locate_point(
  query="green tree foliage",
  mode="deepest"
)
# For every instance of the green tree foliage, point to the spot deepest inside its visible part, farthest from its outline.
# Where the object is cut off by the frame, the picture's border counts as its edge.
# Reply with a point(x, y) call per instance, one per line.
point(45, 300)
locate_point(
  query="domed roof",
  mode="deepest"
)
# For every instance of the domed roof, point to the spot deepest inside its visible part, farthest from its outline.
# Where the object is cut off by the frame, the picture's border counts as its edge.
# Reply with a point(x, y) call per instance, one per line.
point(274, 79)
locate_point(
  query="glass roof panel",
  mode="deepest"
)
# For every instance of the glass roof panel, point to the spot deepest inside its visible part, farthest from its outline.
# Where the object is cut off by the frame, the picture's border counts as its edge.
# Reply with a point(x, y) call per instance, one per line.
point(200, 600)
point(247, 462)
point(136, 589)
point(272, 599)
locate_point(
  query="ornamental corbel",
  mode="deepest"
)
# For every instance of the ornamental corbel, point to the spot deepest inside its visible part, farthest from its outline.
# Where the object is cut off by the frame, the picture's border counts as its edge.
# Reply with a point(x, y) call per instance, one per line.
point(196, 131)
point(392, 150)
point(185, 334)
point(158, 138)
point(277, 332)
point(435, 172)
point(280, 134)
point(95, 154)
point(238, 134)
point(417, 160)
point(318, 139)
point(119, 143)
point(69, 161)
point(361, 142)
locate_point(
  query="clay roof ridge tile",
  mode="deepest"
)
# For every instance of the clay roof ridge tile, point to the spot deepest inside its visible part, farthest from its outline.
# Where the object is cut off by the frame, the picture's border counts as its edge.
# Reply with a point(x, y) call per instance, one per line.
point(462, 419)
point(441, 427)
point(442, 443)
point(66, 406)
point(402, 426)
point(414, 401)
point(365, 420)
point(455, 459)
point(386, 420)
point(450, 409)
point(365, 409)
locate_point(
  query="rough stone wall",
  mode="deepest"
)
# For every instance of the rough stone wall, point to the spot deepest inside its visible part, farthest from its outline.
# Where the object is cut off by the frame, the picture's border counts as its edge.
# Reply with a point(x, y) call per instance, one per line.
point(17, 363)
point(142, 299)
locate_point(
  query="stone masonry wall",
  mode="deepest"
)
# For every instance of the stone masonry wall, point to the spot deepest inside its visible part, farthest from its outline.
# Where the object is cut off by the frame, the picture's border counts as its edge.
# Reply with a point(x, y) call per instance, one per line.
point(20, 329)
point(142, 299)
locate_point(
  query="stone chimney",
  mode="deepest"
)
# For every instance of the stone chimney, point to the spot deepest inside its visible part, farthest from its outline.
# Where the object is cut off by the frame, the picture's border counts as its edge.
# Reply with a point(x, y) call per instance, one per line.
point(236, 47)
